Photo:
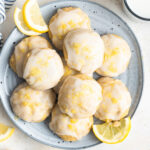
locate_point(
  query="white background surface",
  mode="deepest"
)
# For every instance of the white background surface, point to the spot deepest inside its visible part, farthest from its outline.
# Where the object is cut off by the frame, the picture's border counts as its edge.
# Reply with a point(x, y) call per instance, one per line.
point(139, 137)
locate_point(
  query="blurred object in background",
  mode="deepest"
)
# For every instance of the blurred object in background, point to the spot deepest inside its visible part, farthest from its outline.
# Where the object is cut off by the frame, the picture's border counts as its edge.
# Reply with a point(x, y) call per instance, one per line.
point(2, 11)
point(137, 10)
point(8, 3)
point(1, 40)
point(4, 5)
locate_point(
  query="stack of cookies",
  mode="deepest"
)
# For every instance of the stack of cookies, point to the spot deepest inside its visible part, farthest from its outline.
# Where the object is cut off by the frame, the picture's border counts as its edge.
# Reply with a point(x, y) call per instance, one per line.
point(80, 96)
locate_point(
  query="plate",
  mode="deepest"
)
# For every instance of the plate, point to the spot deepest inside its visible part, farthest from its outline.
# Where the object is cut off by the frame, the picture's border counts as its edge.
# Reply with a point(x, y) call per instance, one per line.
point(103, 21)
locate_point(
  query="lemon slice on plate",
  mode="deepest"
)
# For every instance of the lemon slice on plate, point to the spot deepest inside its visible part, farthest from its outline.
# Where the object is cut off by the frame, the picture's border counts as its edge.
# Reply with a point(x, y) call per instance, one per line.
point(33, 17)
point(5, 132)
point(113, 132)
point(18, 18)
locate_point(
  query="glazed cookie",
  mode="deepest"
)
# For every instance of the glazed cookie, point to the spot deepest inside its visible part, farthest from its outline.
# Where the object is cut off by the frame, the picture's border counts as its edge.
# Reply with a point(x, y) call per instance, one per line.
point(32, 105)
point(43, 68)
point(65, 20)
point(116, 100)
point(67, 72)
point(79, 96)
point(69, 129)
point(116, 57)
point(21, 49)
point(83, 50)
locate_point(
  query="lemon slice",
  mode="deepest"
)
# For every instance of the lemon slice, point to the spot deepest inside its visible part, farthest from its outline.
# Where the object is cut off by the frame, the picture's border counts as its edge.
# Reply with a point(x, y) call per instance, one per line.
point(18, 18)
point(33, 17)
point(5, 132)
point(113, 132)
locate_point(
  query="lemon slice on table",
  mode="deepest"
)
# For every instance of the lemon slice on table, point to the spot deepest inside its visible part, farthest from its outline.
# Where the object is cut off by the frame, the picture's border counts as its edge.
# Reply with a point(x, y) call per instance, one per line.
point(5, 132)
point(18, 18)
point(113, 132)
point(33, 17)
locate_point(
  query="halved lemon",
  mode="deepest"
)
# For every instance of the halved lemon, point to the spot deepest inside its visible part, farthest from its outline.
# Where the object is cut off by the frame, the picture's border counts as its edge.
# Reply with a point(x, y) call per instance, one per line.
point(33, 17)
point(5, 132)
point(113, 132)
point(18, 18)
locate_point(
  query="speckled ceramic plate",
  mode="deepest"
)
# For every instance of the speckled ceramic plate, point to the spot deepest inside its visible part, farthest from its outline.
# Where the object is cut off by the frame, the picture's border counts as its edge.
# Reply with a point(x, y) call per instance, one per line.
point(103, 21)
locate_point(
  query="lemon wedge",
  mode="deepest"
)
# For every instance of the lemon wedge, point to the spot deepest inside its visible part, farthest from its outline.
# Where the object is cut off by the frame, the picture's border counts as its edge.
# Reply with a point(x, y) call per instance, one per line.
point(33, 17)
point(18, 18)
point(5, 132)
point(113, 132)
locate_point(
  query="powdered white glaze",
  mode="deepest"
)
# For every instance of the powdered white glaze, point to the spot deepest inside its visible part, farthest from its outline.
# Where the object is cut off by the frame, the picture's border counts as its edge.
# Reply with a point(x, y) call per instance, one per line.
point(79, 98)
point(67, 72)
point(25, 46)
point(116, 57)
point(62, 124)
point(66, 21)
point(32, 105)
point(84, 50)
point(43, 69)
point(116, 100)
